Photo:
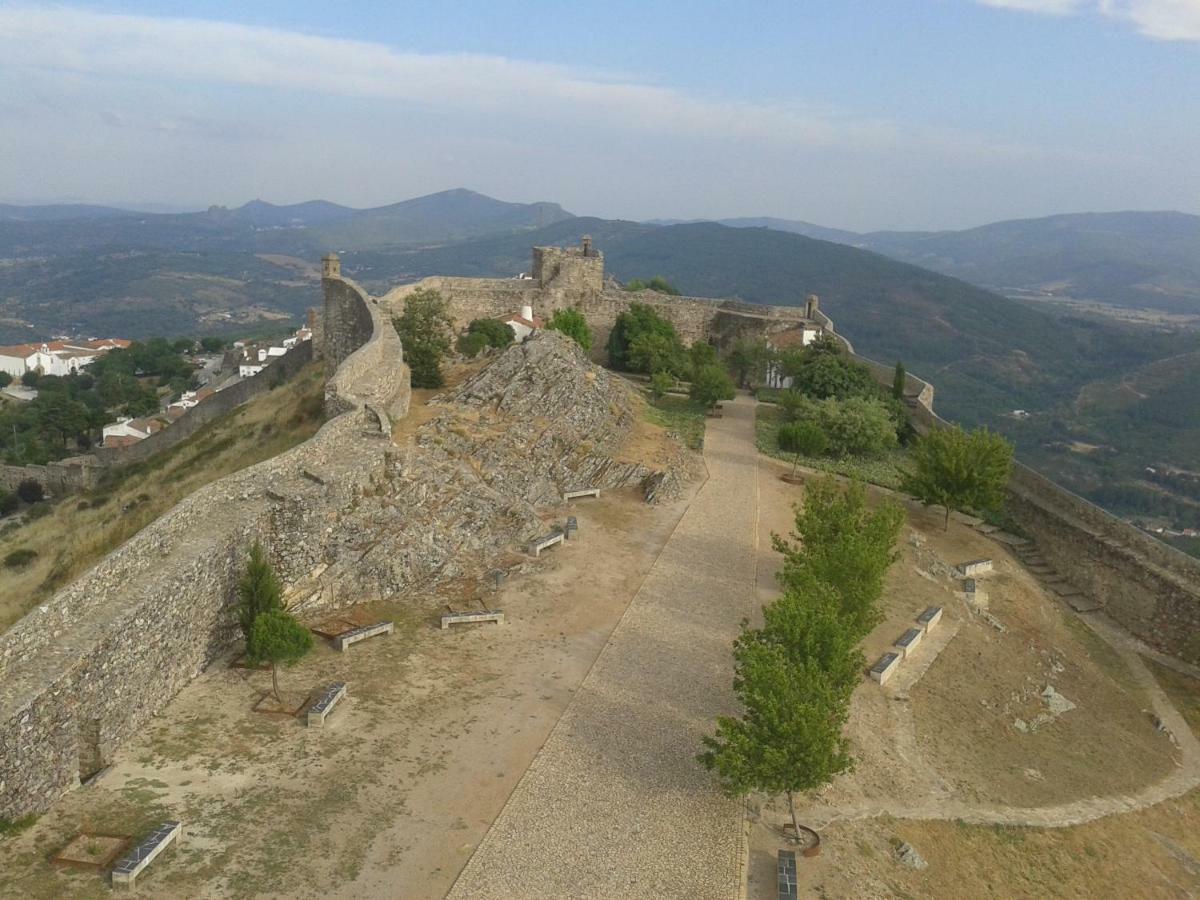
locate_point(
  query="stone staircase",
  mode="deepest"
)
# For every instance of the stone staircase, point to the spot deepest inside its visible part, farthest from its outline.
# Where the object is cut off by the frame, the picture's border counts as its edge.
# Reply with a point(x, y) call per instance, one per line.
point(1031, 558)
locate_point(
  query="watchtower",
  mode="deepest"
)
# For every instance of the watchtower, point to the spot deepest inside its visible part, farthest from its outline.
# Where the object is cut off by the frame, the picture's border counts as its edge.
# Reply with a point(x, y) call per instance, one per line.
point(331, 266)
point(811, 306)
point(574, 269)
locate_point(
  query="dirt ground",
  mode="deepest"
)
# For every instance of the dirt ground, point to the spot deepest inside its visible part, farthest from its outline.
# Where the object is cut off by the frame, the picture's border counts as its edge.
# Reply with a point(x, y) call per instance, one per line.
point(391, 797)
point(945, 728)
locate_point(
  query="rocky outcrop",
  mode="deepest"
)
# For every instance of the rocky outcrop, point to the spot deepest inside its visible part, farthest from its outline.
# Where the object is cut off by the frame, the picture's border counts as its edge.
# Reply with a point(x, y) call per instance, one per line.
point(486, 475)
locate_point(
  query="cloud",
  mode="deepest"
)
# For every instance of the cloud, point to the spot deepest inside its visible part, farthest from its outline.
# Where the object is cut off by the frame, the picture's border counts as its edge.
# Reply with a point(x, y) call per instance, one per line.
point(1165, 20)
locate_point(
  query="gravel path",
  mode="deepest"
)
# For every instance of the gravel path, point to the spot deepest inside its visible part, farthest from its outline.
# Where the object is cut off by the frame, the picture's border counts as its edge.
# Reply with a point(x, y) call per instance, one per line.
point(615, 804)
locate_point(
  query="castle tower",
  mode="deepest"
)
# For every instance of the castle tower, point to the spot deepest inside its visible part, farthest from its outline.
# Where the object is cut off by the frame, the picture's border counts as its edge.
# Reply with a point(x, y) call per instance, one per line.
point(331, 266)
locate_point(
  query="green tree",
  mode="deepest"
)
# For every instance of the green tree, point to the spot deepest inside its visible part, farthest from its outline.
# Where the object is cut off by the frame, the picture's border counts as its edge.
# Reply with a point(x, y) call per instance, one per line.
point(259, 590)
point(8, 503)
point(5, 379)
point(795, 705)
point(711, 385)
point(657, 283)
point(802, 439)
point(212, 344)
point(701, 355)
point(898, 381)
point(31, 491)
point(641, 319)
point(30, 379)
point(956, 469)
point(572, 323)
point(424, 330)
point(660, 383)
point(652, 351)
point(278, 639)
point(841, 542)
point(495, 333)
point(749, 360)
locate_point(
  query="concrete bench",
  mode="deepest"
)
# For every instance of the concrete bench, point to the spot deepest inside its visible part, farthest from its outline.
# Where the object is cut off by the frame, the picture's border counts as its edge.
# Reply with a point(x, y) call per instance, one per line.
point(975, 567)
point(132, 865)
point(487, 615)
point(323, 705)
point(886, 667)
point(346, 638)
point(789, 887)
point(582, 492)
point(929, 619)
point(549, 540)
point(908, 641)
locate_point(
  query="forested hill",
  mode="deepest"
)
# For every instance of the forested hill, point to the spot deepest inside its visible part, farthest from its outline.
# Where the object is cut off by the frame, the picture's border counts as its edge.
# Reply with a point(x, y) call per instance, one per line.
point(985, 353)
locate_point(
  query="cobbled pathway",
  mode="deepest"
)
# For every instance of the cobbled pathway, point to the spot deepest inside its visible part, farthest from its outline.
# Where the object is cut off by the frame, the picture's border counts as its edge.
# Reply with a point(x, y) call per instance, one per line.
point(615, 804)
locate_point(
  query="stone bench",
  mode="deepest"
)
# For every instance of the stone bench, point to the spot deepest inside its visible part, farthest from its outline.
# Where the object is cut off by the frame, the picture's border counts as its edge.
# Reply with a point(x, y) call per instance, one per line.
point(789, 887)
point(929, 619)
point(487, 615)
point(323, 705)
point(975, 567)
point(886, 667)
point(346, 638)
point(582, 492)
point(549, 540)
point(908, 641)
point(132, 865)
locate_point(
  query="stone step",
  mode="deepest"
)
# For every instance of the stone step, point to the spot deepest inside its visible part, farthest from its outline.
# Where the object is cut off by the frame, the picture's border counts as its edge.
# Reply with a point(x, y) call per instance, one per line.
point(1082, 603)
point(1011, 539)
point(1065, 590)
point(987, 528)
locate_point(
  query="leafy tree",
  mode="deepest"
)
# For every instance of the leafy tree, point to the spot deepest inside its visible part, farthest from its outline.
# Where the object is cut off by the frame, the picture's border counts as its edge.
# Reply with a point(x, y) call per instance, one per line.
point(641, 319)
point(898, 381)
point(749, 360)
point(956, 469)
point(424, 330)
point(183, 345)
point(8, 503)
point(856, 426)
point(657, 283)
point(494, 332)
point(826, 343)
point(822, 375)
point(5, 379)
point(711, 385)
point(802, 439)
point(701, 355)
point(31, 491)
point(278, 639)
point(572, 323)
point(30, 379)
point(259, 590)
point(471, 345)
point(212, 344)
point(844, 544)
point(795, 705)
point(660, 383)
point(652, 351)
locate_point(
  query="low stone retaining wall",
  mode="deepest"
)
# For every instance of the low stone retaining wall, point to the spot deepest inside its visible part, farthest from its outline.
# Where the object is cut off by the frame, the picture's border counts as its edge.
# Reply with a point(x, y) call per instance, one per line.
point(1150, 588)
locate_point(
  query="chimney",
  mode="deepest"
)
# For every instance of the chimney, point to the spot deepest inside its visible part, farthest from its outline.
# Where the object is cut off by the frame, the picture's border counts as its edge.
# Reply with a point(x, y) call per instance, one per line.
point(527, 313)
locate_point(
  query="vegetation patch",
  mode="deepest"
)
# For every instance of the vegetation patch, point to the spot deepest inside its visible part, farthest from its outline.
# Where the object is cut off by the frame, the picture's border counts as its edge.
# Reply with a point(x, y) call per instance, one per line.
point(886, 470)
point(680, 415)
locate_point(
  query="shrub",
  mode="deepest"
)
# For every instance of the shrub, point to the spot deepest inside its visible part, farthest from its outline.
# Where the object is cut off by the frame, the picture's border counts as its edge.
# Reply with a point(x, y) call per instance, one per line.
point(8, 503)
point(472, 344)
point(711, 385)
point(5, 379)
point(494, 333)
point(424, 330)
point(572, 323)
point(37, 511)
point(804, 438)
point(643, 341)
point(18, 559)
point(31, 491)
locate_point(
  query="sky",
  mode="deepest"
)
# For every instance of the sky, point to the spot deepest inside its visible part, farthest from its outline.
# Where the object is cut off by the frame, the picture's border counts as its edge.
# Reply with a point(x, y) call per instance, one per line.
point(860, 114)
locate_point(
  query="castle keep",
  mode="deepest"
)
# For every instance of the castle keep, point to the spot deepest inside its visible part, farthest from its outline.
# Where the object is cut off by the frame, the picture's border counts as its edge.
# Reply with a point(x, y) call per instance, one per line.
point(573, 277)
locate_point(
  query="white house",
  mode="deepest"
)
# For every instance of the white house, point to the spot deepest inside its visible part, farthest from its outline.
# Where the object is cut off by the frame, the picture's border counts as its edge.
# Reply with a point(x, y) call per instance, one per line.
point(55, 357)
point(129, 431)
point(249, 370)
point(523, 323)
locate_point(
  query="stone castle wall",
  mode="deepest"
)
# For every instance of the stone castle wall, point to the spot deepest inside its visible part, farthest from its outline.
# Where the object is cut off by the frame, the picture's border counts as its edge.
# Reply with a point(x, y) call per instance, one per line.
point(1148, 587)
point(82, 673)
point(83, 473)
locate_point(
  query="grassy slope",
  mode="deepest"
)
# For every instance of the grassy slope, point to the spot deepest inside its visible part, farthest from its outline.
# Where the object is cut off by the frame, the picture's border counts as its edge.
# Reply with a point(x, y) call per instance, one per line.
point(82, 529)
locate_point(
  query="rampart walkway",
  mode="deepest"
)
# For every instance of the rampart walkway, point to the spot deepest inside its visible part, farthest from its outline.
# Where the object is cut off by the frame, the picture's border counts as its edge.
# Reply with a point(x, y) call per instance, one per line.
point(615, 804)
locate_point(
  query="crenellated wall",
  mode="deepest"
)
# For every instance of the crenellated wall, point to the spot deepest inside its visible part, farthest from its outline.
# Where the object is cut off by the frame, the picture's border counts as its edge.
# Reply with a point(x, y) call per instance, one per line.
point(80, 674)
point(1148, 587)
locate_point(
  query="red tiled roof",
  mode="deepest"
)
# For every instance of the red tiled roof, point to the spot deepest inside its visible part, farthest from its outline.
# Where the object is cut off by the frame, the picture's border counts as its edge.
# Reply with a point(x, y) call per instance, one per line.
point(536, 322)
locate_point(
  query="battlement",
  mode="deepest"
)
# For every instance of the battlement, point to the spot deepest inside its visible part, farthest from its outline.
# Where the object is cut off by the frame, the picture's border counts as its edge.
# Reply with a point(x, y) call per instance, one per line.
point(575, 269)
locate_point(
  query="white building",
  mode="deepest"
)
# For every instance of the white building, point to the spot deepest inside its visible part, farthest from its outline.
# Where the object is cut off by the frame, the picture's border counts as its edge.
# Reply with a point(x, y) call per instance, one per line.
point(129, 431)
point(55, 357)
point(523, 323)
point(792, 339)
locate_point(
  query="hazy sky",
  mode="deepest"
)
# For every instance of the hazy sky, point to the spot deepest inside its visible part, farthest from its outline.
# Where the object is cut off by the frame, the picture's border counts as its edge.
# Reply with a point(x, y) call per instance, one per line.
point(852, 113)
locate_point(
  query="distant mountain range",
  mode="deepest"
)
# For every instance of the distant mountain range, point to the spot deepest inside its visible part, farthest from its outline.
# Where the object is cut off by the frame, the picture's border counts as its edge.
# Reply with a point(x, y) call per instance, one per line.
point(1134, 259)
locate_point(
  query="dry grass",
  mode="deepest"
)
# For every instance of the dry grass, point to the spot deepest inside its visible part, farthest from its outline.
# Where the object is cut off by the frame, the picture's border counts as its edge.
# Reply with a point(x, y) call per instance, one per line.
point(81, 529)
